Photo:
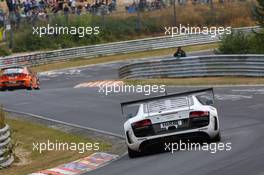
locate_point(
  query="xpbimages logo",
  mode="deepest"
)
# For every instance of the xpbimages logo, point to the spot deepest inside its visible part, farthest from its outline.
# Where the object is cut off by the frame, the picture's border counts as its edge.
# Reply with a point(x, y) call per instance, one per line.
point(146, 89)
point(64, 146)
point(191, 30)
point(65, 30)
point(190, 146)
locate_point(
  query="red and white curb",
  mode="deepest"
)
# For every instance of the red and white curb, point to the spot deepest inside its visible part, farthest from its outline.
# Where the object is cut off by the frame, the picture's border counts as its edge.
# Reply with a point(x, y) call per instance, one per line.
point(80, 166)
point(100, 83)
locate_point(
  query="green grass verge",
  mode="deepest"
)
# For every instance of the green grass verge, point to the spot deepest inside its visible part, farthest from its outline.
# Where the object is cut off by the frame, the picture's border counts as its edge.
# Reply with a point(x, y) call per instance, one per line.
point(210, 81)
point(28, 161)
point(135, 55)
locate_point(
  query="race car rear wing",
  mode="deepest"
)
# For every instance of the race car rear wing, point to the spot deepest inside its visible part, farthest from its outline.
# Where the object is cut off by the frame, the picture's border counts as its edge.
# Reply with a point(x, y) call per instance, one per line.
point(199, 92)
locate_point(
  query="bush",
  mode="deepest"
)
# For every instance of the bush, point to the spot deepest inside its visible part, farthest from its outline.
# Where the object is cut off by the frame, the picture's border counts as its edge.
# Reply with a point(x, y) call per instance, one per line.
point(4, 51)
point(239, 43)
point(111, 30)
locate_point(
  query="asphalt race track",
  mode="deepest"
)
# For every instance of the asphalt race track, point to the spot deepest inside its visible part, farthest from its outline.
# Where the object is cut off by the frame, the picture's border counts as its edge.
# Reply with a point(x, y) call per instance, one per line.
point(241, 111)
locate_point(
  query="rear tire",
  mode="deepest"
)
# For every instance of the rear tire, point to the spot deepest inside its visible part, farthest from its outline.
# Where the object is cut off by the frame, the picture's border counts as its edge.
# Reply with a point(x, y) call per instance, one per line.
point(132, 153)
point(217, 138)
point(10, 89)
point(30, 87)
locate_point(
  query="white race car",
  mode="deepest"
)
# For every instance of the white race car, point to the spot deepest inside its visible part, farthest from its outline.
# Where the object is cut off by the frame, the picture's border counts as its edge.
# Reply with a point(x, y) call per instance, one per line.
point(159, 119)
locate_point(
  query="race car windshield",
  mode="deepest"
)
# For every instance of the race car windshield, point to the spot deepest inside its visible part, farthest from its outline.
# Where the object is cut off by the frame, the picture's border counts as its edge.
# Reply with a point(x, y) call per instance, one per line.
point(206, 98)
point(13, 71)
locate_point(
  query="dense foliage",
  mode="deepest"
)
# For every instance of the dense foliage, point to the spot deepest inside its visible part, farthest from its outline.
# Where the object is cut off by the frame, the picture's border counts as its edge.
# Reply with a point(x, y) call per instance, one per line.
point(110, 30)
point(123, 26)
point(239, 43)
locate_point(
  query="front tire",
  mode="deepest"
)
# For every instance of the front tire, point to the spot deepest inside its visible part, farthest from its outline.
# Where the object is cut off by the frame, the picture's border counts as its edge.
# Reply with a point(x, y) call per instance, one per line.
point(132, 153)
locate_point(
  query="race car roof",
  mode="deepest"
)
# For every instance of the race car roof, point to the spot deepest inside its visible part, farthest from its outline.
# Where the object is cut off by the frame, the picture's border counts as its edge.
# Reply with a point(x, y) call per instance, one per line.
point(11, 70)
point(13, 67)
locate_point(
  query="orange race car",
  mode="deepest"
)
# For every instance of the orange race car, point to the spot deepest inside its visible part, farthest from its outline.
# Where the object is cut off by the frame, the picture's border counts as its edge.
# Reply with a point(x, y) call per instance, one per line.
point(18, 78)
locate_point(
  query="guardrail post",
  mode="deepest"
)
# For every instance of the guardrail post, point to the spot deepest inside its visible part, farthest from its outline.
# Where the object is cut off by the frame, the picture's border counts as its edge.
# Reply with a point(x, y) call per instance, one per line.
point(6, 153)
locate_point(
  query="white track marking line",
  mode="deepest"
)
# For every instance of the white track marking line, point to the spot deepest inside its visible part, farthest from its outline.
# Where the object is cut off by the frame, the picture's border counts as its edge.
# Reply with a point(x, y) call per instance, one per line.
point(100, 83)
point(66, 123)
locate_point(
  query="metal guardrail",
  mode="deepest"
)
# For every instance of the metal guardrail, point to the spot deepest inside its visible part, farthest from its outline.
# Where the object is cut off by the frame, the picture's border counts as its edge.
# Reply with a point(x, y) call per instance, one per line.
point(6, 156)
point(155, 43)
point(196, 66)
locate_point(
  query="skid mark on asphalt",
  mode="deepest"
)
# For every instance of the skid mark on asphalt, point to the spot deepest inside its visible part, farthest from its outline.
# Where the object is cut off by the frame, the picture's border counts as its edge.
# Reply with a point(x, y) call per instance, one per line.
point(100, 83)
point(45, 76)
point(81, 166)
point(62, 72)
point(232, 97)
point(252, 91)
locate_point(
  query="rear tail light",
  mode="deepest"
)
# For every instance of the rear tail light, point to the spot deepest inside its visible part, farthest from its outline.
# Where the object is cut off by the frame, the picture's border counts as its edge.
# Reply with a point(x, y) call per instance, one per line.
point(142, 123)
point(13, 75)
point(143, 128)
point(195, 114)
point(4, 77)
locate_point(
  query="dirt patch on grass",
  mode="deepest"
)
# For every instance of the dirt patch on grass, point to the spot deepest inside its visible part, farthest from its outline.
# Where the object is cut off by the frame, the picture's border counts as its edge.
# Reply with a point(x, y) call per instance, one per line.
point(22, 157)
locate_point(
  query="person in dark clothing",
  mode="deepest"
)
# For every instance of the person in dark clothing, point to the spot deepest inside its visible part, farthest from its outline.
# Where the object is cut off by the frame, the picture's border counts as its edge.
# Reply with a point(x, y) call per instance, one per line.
point(66, 10)
point(179, 53)
point(60, 5)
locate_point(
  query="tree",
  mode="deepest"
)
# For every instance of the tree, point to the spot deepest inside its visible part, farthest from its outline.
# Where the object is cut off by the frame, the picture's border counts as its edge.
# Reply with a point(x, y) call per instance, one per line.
point(10, 5)
point(259, 14)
